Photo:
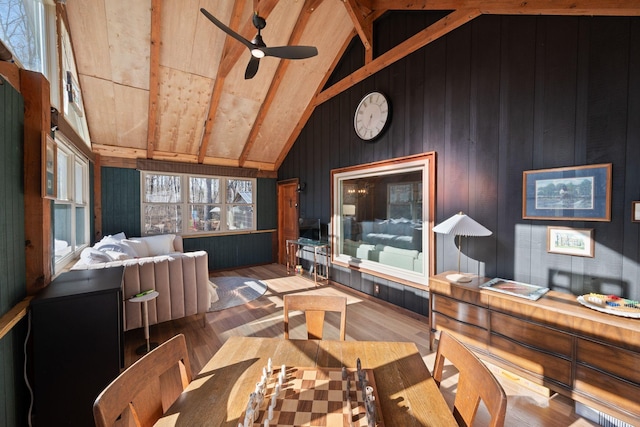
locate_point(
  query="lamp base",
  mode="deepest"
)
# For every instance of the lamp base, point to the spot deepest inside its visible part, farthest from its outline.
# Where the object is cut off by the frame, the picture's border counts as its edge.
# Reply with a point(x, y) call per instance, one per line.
point(458, 277)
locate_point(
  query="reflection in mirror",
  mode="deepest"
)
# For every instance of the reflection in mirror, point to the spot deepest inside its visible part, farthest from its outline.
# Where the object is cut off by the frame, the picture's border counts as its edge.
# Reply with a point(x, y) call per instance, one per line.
point(379, 214)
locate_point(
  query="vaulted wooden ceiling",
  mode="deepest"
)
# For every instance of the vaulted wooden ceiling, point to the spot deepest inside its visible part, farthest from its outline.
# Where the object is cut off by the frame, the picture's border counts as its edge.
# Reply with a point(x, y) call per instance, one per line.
point(160, 81)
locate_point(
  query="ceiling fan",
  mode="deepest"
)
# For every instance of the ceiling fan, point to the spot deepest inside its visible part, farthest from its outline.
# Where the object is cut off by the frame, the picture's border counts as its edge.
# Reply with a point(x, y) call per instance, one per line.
point(258, 48)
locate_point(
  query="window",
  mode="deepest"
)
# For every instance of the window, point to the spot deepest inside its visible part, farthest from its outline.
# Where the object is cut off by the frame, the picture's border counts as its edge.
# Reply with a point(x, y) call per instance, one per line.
point(193, 204)
point(71, 207)
point(379, 217)
point(22, 28)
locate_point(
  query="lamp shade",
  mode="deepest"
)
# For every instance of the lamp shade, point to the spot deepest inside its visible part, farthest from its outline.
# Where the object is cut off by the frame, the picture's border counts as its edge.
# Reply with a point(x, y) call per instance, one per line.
point(461, 225)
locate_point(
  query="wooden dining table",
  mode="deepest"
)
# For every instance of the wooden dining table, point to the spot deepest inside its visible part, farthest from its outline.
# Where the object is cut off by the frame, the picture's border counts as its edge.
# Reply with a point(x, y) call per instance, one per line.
point(218, 395)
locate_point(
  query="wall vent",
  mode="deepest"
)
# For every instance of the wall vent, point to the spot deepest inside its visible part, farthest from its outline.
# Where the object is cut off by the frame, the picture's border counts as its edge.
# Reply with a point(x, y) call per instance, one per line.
point(598, 417)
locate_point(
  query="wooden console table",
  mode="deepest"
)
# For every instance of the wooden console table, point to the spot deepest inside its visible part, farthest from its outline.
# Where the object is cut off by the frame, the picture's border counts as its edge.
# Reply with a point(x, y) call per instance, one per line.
point(589, 356)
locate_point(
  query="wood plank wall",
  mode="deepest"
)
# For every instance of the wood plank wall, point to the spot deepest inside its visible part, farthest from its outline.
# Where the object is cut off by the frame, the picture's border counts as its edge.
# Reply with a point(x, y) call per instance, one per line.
point(13, 393)
point(121, 212)
point(496, 97)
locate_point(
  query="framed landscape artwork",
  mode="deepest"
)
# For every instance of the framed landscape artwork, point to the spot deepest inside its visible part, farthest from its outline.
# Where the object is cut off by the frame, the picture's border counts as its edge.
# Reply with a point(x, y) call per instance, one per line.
point(570, 241)
point(580, 193)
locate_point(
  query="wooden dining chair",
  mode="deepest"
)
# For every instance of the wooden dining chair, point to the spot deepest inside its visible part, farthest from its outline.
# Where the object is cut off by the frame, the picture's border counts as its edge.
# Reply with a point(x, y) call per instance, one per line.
point(475, 383)
point(144, 391)
point(314, 308)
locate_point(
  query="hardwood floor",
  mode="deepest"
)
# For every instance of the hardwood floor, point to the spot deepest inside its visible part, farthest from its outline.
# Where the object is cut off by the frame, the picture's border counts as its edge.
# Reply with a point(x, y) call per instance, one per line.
point(367, 319)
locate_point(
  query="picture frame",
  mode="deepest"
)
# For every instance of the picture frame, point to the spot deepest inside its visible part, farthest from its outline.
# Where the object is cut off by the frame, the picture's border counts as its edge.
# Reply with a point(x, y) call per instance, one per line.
point(571, 241)
point(49, 169)
point(635, 211)
point(578, 193)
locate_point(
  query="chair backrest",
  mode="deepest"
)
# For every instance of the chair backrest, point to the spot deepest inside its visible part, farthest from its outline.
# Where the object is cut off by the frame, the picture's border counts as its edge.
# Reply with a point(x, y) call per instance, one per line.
point(475, 383)
point(145, 390)
point(314, 307)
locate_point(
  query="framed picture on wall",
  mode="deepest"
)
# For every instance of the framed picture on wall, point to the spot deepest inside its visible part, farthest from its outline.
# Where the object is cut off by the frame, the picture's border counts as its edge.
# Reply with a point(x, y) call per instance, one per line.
point(580, 193)
point(570, 241)
point(49, 169)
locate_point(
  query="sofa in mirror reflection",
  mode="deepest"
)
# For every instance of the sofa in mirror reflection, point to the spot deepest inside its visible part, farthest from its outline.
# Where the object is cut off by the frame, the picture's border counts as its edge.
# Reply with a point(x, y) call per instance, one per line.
point(393, 242)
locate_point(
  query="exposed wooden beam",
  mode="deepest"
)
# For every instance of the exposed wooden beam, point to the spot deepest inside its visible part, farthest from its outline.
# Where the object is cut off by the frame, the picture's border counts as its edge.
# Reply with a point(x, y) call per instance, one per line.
point(294, 39)
point(434, 31)
point(154, 75)
point(362, 22)
point(218, 86)
point(514, 7)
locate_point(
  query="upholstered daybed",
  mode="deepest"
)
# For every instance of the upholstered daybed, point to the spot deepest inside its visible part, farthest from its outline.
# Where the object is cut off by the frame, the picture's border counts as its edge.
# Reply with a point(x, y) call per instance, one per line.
point(155, 262)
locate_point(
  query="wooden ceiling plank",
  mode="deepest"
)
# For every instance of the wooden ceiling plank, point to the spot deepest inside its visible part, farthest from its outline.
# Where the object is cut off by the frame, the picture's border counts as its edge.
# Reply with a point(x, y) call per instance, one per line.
point(311, 106)
point(154, 70)
point(434, 31)
point(294, 39)
point(229, 43)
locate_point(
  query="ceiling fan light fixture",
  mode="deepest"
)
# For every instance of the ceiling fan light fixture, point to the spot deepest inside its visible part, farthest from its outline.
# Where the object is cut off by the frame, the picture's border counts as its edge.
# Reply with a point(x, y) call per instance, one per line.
point(257, 53)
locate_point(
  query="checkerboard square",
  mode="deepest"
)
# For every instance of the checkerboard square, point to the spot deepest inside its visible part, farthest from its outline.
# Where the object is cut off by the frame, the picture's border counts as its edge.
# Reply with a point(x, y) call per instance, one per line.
point(335, 395)
point(289, 405)
point(306, 394)
point(302, 419)
point(309, 375)
point(320, 406)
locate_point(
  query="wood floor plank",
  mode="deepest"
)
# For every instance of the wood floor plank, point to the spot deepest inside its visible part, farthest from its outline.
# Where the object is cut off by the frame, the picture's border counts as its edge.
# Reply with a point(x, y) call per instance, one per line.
point(368, 319)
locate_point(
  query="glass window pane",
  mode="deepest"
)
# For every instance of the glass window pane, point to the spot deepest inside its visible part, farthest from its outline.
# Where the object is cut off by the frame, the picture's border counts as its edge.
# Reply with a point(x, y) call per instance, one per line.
point(79, 183)
point(204, 218)
point(239, 217)
point(204, 190)
point(239, 191)
point(63, 175)
point(162, 219)
point(63, 243)
point(162, 189)
point(22, 29)
point(81, 231)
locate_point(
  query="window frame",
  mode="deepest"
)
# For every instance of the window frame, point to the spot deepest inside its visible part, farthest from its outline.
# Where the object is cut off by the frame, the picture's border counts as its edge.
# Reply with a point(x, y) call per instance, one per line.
point(75, 158)
point(185, 205)
point(342, 180)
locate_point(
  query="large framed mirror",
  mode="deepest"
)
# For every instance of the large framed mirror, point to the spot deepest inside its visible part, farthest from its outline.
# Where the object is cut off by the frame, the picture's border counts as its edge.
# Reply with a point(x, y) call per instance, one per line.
point(382, 217)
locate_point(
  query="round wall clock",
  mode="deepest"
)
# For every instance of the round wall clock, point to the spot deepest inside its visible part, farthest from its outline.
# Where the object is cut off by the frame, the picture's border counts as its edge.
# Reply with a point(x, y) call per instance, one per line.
point(372, 116)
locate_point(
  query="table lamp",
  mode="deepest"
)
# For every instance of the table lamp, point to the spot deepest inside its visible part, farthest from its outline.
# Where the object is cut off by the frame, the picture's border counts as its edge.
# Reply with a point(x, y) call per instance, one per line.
point(460, 225)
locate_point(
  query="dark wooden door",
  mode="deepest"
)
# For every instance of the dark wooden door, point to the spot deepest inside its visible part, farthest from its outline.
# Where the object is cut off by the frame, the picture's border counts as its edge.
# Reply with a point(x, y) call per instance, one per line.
point(287, 216)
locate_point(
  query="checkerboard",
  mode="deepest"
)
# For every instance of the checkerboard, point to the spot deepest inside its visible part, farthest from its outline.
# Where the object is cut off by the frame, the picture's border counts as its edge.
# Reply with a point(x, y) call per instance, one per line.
point(317, 397)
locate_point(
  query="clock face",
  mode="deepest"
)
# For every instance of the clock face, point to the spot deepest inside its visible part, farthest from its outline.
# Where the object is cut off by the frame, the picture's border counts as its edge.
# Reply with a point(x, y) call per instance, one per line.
point(372, 115)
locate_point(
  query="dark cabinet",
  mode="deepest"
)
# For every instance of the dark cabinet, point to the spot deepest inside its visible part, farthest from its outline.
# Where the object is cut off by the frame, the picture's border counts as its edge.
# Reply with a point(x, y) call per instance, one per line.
point(78, 345)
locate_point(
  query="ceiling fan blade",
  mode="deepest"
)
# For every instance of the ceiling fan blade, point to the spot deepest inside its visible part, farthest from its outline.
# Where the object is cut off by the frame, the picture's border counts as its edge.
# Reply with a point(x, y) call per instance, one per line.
point(226, 29)
point(291, 52)
point(252, 68)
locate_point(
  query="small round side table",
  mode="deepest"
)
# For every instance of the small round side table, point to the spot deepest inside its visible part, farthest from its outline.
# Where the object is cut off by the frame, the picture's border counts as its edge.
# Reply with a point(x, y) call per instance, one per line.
point(144, 299)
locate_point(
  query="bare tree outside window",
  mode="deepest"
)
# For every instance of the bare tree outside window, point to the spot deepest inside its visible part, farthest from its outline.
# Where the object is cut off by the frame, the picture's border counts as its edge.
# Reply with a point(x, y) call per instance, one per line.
point(21, 23)
point(196, 204)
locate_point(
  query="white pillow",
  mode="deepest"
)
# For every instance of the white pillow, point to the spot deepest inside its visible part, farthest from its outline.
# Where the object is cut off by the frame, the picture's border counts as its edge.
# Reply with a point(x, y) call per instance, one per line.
point(118, 256)
point(93, 256)
point(138, 247)
point(115, 238)
point(161, 244)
